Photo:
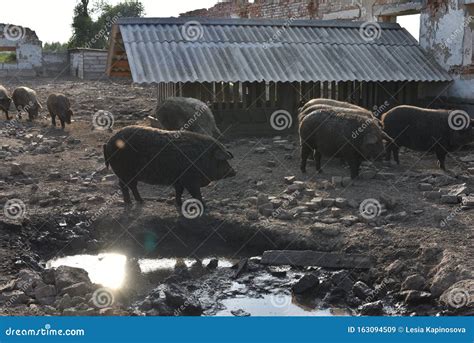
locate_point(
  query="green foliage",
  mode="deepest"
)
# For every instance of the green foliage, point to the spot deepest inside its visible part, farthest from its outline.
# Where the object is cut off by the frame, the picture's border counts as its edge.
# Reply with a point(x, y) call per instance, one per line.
point(95, 34)
point(55, 47)
point(7, 57)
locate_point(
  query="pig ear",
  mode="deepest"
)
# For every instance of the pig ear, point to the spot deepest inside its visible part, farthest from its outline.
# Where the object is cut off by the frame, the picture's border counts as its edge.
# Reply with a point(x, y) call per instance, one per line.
point(222, 155)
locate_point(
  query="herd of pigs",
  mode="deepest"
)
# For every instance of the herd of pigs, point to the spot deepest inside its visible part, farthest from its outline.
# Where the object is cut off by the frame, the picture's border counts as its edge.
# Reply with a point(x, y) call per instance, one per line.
point(186, 153)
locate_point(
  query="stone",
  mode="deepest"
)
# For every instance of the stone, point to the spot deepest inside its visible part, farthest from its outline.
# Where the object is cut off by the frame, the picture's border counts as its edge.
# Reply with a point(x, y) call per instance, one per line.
point(335, 211)
point(395, 267)
point(306, 283)
point(64, 302)
point(213, 263)
point(342, 280)
point(327, 202)
point(77, 289)
point(367, 174)
point(65, 276)
point(460, 294)
point(432, 195)
point(341, 202)
point(252, 215)
point(15, 297)
point(15, 169)
point(44, 291)
point(182, 302)
point(361, 290)
point(266, 209)
point(349, 220)
point(449, 199)
point(468, 201)
point(262, 199)
point(289, 179)
point(270, 164)
point(468, 158)
point(424, 186)
point(240, 313)
point(414, 282)
point(413, 297)
point(372, 309)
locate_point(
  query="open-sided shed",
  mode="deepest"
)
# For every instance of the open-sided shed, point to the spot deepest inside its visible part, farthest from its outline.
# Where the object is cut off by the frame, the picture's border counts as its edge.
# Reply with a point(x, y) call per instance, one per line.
point(247, 69)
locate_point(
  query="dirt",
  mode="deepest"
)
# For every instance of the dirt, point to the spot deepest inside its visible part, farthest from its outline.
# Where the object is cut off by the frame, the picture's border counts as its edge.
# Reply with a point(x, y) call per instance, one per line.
point(72, 205)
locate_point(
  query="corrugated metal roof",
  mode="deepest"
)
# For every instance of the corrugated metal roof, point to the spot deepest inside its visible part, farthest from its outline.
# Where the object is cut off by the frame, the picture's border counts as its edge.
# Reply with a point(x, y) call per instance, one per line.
point(231, 50)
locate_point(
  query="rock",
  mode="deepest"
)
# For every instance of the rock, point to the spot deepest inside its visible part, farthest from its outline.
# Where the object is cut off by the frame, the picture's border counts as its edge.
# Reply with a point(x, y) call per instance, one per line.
point(432, 195)
point(27, 280)
point(44, 291)
point(468, 201)
point(372, 309)
point(213, 263)
point(54, 176)
point(341, 202)
point(240, 313)
point(262, 199)
point(449, 199)
point(468, 158)
point(289, 179)
point(266, 209)
point(65, 276)
point(335, 211)
point(15, 297)
point(252, 215)
point(79, 312)
point(260, 185)
point(182, 302)
point(77, 289)
point(460, 294)
point(306, 283)
point(458, 190)
point(361, 290)
point(349, 220)
point(346, 181)
point(367, 174)
point(395, 267)
point(16, 169)
point(327, 202)
point(54, 193)
point(414, 282)
point(64, 302)
point(270, 164)
point(413, 297)
point(342, 280)
point(424, 186)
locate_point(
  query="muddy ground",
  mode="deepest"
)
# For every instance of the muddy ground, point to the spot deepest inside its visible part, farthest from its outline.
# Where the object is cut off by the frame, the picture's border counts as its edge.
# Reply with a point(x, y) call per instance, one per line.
point(65, 203)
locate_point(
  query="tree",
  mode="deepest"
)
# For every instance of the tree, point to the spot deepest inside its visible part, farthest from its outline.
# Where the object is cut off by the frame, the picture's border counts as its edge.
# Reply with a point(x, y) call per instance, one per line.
point(82, 25)
point(55, 47)
point(95, 34)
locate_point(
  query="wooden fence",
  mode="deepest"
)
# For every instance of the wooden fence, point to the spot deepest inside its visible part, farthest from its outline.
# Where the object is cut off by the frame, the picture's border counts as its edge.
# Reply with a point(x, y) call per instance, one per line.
point(248, 105)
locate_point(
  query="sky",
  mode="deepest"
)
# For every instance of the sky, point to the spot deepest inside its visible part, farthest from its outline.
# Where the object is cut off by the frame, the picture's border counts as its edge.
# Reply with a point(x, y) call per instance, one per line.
point(51, 19)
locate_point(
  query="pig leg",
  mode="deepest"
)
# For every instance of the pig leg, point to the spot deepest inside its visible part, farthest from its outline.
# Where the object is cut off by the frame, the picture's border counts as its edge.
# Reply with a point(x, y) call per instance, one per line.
point(388, 151)
point(317, 160)
point(53, 119)
point(354, 165)
point(305, 152)
point(132, 185)
point(179, 193)
point(441, 155)
point(63, 126)
point(395, 151)
point(195, 192)
point(125, 192)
